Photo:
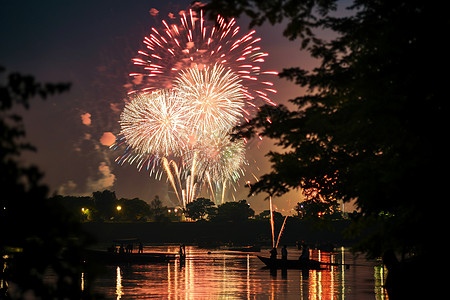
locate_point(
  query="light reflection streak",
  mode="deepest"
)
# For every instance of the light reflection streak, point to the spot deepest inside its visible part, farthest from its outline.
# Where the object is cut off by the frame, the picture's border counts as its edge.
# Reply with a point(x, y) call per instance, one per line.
point(325, 284)
point(380, 277)
point(248, 277)
point(119, 291)
point(342, 270)
point(189, 275)
point(313, 282)
point(169, 281)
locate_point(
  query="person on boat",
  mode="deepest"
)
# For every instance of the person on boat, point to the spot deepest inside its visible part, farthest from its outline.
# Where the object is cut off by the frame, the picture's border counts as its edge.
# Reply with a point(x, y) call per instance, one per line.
point(129, 248)
point(284, 253)
point(182, 252)
point(141, 248)
point(305, 253)
point(273, 253)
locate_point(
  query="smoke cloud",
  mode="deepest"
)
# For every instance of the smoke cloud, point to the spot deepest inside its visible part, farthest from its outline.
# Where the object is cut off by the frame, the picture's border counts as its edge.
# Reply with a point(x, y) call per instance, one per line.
point(86, 119)
point(153, 12)
point(68, 188)
point(105, 181)
point(107, 139)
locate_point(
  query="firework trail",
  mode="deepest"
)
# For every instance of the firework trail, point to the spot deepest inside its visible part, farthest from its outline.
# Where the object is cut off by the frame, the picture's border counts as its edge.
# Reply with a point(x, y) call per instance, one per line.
point(272, 225)
point(217, 157)
point(216, 160)
point(281, 231)
point(192, 186)
point(172, 175)
point(194, 42)
point(187, 193)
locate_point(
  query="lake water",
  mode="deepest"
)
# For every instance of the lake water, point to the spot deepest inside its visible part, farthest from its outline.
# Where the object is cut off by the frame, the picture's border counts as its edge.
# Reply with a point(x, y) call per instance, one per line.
point(223, 274)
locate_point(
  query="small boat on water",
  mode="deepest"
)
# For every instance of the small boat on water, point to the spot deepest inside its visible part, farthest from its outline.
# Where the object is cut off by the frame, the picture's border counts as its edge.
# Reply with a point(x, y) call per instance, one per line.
point(309, 264)
point(292, 264)
point(127, 251)
point(246, 249)
point(128, 258)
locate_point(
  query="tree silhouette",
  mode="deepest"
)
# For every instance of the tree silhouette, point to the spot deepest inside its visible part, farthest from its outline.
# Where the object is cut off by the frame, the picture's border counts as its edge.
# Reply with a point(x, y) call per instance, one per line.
point(37, 234)
point(134, 210)
point(157, 210)
point(371, 126)
point(199, 208)
point(106, 203)
point(234, 211)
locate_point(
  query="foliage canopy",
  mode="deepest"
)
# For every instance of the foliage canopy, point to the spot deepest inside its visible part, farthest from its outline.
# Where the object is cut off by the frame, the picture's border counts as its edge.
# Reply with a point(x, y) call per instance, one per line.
point(38, 235)
point(370, 126)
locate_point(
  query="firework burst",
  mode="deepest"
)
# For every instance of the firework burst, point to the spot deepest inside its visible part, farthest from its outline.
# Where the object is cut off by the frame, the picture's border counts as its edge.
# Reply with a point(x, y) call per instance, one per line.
point(217, 158)
point(194, 42)
point(215, 96)
point(155, 123)
point(195, 82)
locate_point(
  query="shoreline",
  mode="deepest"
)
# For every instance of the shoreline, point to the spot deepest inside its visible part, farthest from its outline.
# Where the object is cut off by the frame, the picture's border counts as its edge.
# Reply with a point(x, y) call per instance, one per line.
point(202, 232)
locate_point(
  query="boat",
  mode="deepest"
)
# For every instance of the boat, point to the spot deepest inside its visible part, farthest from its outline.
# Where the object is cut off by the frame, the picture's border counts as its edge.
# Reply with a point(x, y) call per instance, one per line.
point(246, 249)
point(292, 264)
point(127, 251)
point(107, 257)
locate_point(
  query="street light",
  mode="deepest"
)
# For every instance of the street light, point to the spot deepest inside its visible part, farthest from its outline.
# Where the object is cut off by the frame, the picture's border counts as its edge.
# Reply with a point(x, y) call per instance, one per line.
point(119, 208)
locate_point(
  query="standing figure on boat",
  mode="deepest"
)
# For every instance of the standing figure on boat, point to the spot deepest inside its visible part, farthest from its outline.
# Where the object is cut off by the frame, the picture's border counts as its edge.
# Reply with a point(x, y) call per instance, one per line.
point(141, 248)
point(305, 253)
point(273, 253)
point(284, 253)
point(182, 252)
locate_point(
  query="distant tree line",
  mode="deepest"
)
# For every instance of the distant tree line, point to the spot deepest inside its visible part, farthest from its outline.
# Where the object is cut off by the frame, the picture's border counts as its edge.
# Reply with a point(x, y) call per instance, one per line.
point(205, 209)
point(104, 206)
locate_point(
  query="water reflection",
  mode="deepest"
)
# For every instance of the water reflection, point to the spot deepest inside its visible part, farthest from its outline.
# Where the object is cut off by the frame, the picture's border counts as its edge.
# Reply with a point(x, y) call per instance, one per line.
point(119, 291)
point(229, 275)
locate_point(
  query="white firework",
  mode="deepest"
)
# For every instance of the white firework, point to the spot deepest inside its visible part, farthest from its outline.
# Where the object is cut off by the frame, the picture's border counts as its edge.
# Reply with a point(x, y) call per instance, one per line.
point(156, 123)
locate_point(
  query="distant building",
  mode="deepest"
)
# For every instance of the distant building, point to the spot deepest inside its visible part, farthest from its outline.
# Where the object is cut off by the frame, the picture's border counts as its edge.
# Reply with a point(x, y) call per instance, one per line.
point(175, 214)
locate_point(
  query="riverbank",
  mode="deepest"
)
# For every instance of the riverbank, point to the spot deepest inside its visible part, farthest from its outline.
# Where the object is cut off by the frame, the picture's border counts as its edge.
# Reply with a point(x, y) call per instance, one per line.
point(250, 232)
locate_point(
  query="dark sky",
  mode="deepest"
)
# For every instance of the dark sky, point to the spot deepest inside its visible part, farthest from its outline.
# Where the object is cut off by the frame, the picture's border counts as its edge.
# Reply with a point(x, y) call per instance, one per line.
point(90, 44)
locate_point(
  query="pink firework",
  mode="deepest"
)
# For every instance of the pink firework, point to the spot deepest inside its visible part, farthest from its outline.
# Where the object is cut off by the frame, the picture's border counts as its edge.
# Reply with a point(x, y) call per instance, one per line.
point(194, 42)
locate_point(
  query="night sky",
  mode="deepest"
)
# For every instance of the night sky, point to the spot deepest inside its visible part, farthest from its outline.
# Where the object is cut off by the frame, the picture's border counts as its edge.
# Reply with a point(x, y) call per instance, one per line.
point(91, 44)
